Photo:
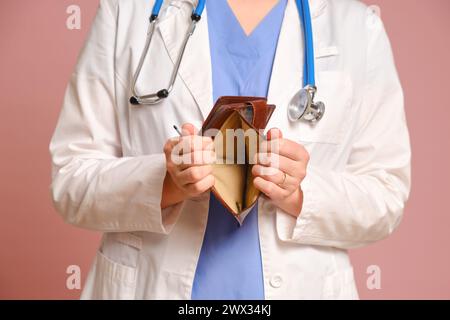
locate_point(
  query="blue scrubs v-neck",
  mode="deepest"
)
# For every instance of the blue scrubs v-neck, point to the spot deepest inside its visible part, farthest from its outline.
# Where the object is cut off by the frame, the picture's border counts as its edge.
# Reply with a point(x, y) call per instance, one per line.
point(230, 265)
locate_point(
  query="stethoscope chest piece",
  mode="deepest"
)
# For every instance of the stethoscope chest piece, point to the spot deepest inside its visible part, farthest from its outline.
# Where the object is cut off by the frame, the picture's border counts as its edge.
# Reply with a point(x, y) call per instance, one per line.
point(302, 106)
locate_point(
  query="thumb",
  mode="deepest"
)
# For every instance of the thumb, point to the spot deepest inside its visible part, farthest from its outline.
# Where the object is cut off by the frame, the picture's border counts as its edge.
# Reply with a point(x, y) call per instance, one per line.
point(274, 133)
point(188, 129)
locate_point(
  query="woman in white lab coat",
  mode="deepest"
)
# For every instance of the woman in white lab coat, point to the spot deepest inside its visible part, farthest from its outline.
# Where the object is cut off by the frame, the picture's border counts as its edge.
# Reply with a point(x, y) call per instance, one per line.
point(111, 172)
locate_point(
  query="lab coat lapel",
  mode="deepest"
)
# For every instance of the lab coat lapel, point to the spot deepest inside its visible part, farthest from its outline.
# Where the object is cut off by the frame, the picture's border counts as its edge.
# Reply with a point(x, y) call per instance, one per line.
point(287, 71)
point(195, 69)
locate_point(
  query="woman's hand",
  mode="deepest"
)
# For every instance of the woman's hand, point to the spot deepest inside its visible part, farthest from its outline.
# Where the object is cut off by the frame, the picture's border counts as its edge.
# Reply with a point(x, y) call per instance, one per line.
point(188, 163)
point(281, 167)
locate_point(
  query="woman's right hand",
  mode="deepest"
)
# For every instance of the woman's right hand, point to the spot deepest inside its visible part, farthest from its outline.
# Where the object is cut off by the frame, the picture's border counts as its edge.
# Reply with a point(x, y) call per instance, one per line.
point(188, 163)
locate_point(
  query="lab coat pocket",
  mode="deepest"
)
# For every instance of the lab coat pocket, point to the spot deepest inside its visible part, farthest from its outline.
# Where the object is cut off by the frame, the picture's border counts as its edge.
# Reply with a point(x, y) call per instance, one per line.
point(112, 280)
point(335, 90)
point(340, 286)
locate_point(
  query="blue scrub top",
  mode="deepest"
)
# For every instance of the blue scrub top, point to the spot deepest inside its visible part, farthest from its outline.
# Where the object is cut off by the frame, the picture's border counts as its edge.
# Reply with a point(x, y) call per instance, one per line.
point(229, 265)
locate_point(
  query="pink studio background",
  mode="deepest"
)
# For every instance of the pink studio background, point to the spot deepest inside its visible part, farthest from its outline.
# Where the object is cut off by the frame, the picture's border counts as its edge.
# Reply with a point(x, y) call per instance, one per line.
point(37, 55)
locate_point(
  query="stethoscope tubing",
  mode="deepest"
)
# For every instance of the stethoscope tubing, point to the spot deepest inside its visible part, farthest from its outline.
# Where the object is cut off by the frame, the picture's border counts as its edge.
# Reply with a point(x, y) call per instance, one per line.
point(309, 65)
point(155, 98)
point(309, 85)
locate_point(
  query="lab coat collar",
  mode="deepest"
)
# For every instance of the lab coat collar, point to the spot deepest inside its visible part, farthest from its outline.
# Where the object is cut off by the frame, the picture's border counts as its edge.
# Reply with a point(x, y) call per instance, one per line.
point(195, 69)
point(317, 6)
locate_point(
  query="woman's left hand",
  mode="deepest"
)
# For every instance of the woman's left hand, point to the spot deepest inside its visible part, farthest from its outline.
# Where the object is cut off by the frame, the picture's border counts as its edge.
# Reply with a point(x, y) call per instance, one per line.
point(281, 167)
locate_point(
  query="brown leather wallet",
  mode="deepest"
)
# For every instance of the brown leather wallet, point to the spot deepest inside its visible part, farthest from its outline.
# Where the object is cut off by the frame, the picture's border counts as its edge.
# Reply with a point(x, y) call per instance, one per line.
point(234, 181)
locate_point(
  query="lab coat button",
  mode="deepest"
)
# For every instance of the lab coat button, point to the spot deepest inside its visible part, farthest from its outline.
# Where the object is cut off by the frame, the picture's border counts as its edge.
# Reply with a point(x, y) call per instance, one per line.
point(276, 281)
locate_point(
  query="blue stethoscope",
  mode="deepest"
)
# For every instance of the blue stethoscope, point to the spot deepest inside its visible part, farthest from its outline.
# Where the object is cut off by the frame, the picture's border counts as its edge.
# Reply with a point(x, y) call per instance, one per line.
point(301, 106)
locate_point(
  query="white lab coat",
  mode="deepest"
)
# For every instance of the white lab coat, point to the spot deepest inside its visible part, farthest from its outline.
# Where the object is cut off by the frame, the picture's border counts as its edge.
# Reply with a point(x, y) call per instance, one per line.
point(108, 165)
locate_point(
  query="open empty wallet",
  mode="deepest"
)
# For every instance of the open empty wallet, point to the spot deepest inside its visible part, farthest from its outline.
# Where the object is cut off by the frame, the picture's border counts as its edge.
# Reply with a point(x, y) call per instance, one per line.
point(236, 125)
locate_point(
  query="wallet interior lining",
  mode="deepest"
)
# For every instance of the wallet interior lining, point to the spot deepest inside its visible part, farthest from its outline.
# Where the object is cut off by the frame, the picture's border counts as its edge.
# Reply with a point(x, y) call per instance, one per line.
point(234, 182)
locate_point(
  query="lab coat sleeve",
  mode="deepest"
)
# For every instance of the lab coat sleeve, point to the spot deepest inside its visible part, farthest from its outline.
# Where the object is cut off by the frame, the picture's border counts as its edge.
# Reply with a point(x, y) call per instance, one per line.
point(93, 185)
point(364, 203)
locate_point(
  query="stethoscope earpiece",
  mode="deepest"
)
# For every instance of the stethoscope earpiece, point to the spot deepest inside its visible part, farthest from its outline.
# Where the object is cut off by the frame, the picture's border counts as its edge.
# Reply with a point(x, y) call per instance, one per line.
point(134, 101)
